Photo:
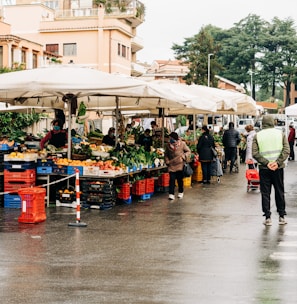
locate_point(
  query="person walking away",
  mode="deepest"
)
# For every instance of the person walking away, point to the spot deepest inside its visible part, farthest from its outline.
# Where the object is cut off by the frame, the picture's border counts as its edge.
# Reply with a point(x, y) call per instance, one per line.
point(231, 139)
point(204, 145)
point(271, 149)
point(56, 137)
point(291, 140)
point(176, 154)
point(249, 160)
point(242, 147)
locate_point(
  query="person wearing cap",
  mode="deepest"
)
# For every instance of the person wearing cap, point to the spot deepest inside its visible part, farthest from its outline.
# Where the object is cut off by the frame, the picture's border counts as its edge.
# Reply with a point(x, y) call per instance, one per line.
point(109, 139)
point(271, 149)
point(176, 154)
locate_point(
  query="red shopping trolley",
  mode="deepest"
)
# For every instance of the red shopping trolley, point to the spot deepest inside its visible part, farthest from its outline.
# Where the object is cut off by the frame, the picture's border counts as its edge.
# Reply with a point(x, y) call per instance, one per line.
point(253, 178)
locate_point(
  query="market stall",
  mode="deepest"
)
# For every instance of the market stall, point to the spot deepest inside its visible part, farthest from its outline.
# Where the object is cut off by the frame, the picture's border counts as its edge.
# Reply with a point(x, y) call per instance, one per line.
point(60, 86)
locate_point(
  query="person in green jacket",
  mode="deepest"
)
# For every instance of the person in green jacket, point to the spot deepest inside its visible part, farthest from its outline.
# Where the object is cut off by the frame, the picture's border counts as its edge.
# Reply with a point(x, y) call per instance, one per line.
point(271, 149)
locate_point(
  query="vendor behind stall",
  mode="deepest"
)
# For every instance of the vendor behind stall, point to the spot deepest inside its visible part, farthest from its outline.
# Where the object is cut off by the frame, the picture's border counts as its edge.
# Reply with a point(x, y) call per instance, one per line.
point(56, 137)
point(146, 140)
point(109, 139)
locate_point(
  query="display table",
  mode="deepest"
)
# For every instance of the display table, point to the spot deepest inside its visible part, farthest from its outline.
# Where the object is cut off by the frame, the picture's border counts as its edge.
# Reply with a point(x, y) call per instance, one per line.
point(46, 178)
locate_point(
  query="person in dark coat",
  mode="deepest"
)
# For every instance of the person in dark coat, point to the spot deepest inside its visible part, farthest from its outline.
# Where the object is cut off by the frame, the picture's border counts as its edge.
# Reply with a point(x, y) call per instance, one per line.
point(146, 140)
point(204, 145)
point(231, 139)
point(110, 139)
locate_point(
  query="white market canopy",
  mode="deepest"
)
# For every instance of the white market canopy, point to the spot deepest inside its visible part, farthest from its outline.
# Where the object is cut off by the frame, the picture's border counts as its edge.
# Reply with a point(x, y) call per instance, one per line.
point(291, 110)
point(56, 85)
point(50, 86)
point(226, 101)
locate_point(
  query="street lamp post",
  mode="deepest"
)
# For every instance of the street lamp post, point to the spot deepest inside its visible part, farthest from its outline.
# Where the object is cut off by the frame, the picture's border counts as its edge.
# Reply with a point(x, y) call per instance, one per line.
point(251, 74)
point(208, 69)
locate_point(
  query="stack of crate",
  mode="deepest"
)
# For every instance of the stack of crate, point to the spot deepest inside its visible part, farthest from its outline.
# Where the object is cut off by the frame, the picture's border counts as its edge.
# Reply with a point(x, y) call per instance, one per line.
point(2, 153)
point(149, 187)
point(124, 193)
point(138, 188)
point(162, 183)
point(197, 174)
point(98, 194)
point(18, 173)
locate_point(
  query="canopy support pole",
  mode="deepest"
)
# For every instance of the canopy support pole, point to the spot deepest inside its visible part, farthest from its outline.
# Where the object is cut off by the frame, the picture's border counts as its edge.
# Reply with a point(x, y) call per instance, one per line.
point(194, 126)
point(69, 128)
point(163, 129)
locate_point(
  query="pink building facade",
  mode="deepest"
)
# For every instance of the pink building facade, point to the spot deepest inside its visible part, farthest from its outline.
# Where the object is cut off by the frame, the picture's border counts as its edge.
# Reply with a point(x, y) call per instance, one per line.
point(84, 35)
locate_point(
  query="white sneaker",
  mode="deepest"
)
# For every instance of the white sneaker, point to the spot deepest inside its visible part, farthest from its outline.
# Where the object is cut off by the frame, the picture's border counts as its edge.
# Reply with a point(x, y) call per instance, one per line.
point(267, 222)
point(171, 197)
point(282, 221)
point(180, 195)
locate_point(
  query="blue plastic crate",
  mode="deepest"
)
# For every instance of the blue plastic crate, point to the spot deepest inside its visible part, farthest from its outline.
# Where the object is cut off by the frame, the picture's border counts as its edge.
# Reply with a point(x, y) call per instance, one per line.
point(59, 169)
point(5, 147)
point(19, 164)
point(71, 170)
point(45, 162)
point(12, 201)
point(127, 201)
point(146, 196)
point(44, 170)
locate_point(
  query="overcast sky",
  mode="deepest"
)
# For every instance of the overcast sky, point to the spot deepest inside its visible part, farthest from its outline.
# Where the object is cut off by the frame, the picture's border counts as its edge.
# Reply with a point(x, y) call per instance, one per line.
point(171, 21)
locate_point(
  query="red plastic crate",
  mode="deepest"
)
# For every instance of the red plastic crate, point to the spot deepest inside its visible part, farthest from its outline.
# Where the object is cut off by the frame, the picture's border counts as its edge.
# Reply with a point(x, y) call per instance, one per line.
point(16, 185)
point(124, 193)
point(149, 185)
point(163, 180)
point(33, 205)
point(138, 187)
point(19, 175)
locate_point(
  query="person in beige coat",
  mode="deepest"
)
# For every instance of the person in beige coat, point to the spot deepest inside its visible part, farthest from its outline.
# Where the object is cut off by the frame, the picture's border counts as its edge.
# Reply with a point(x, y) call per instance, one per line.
point(176, 154)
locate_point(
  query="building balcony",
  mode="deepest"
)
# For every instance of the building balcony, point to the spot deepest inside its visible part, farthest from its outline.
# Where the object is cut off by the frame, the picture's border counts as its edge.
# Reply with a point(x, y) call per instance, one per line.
point(137, 69)
point(130, 14)
point(74, 13)
point(136, 44)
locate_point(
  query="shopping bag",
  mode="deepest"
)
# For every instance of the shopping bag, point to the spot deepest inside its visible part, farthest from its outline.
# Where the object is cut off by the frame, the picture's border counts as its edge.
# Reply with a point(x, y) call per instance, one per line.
point(188, 171)
point(214, 152)
point(216, 168)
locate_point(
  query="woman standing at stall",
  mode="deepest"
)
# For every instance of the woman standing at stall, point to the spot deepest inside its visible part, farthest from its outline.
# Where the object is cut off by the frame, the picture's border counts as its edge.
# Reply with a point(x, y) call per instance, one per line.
point(204, 149)
point(176, 154)
point(56, 137)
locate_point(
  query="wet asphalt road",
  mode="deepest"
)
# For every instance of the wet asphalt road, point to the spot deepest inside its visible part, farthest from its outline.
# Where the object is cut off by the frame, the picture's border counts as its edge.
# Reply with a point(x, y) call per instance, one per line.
point(209, 247)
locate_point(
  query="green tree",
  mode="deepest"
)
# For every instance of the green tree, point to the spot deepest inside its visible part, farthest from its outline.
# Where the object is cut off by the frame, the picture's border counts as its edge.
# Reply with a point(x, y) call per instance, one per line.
point(261, 56)
point(240, 52)
point(280, 56)
point(195, 52)
point(12, 123)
